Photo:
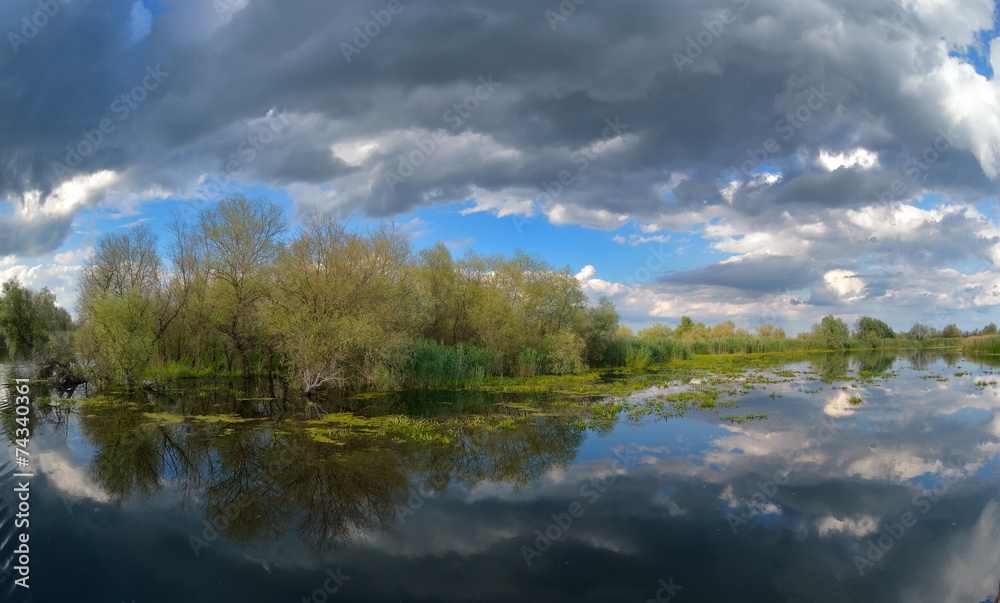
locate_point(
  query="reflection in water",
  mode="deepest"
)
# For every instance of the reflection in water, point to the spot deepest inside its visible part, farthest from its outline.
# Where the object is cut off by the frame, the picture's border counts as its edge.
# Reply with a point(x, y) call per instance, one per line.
point(252, 480)
point(816, 486)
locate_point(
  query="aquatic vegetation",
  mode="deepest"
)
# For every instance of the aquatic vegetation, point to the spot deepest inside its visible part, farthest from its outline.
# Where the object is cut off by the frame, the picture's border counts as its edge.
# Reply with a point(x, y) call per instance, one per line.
point(758, 416)
point(983, 344)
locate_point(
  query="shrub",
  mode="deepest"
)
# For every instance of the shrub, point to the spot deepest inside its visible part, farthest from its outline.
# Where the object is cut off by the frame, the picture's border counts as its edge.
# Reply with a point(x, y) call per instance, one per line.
point(564, 351)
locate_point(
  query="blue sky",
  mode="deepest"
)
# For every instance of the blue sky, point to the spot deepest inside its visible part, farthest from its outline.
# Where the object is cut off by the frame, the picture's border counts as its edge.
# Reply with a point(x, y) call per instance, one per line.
point(865, 141)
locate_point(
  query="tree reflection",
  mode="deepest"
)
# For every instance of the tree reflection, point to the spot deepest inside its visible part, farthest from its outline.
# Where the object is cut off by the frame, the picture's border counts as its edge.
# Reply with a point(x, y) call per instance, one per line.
point(830, 367)
point(258, 480)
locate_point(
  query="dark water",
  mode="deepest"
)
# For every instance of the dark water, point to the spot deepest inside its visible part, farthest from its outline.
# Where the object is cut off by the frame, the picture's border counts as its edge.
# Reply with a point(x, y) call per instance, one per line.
point(892, 499)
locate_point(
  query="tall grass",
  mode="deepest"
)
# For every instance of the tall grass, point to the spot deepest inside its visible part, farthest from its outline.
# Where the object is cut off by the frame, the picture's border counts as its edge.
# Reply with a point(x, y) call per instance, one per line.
point(436, 365)
point(983, 344)
point(637, 358)
point(529, 362)
point(754, 345)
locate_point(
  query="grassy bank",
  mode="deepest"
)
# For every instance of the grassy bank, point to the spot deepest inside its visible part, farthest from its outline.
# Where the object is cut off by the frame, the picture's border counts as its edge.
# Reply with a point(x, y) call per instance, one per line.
point(436, 366)
point(983, 344)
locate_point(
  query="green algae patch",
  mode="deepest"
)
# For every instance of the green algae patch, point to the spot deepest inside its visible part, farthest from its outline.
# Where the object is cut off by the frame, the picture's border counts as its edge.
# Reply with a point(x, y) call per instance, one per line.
point(221, 418)
point(740, 419)
point(369, 395)
point(163, 417)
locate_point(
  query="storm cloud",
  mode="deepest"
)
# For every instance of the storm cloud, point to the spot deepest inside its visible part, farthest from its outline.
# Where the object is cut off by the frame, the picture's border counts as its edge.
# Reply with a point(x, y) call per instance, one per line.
point(680, 115)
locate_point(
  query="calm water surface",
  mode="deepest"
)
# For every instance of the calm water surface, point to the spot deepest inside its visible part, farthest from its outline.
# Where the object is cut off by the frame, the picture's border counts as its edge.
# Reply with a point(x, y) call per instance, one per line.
point(893, 497)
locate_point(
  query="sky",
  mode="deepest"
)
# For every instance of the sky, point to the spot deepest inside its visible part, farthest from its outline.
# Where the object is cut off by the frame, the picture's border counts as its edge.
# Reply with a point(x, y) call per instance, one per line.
point(760, 161)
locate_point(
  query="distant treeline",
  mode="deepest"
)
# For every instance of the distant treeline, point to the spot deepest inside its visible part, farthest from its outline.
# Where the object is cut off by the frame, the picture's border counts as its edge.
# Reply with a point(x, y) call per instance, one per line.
point(235, 293)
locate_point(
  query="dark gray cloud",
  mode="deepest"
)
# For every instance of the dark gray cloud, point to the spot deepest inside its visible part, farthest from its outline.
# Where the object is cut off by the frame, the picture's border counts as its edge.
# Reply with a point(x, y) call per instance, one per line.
point(766, 274)
point(810, 76)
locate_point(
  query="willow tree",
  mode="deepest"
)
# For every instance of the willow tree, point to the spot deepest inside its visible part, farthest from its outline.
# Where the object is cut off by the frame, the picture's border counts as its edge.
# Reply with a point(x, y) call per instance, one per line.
point(28, 319)
point(242, 239)
point(341, 309)
point(121, 306)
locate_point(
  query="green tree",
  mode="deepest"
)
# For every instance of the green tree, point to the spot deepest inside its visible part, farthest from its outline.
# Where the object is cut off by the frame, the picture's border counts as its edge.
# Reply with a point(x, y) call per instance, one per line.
point(118, 336)
point(598, 327)
point(723, 329)
point(872, 330)
point(122, 309)
point(242, 239)
point(919, 332)
point(342, 307)
point(769, 331)
point(990, 329)
point(951, 330)
point(657, 330)
point(834, 332)
point(28, 319)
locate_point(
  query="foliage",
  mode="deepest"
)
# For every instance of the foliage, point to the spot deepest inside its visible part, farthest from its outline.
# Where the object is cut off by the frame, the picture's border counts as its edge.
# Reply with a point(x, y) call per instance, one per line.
point(637, 358)
point(564, 351)
point(529, 362)
point(833, 332)
point(436, 365)
point(117, 337)
point(919, 332)
point(29, 319)
point(983, 344)
point(951, 330)
point(872, 331)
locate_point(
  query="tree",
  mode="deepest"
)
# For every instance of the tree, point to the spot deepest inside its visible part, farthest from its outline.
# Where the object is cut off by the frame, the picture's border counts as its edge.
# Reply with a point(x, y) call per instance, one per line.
point(872, 330)
point(118, 336)
point(951, 331)
point(990, 329)
point(341, 308)
point(242, 239)
point(657, 330)
point(122, 313)
point(688, 329)
point(122, 262)
point(919, 332)
point(28, 319)
point(834, 332)
point(723, 329)
point(599, 325)
point(769, 331)
point(564, 351)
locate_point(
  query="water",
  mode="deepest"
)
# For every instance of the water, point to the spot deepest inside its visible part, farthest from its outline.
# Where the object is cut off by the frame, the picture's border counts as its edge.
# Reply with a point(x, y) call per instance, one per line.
point(892, 499)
